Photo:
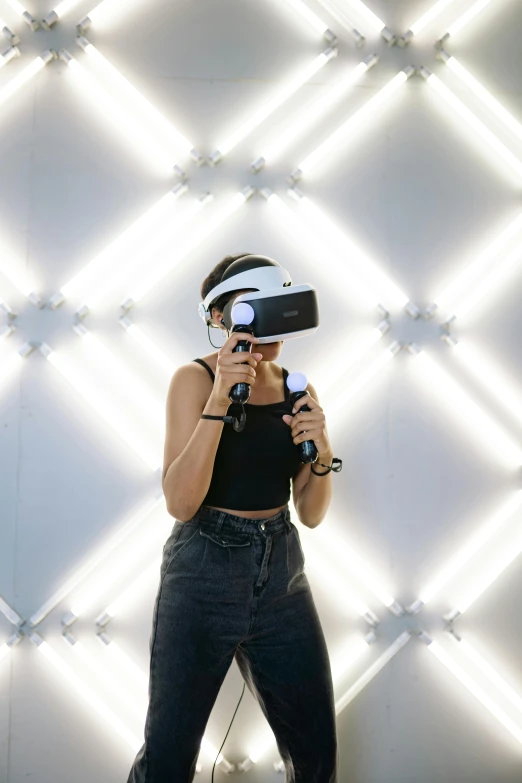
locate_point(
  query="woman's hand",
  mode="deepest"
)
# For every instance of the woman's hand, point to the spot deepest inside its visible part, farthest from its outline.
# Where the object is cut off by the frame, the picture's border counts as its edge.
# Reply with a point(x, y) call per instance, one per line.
point(309, 425)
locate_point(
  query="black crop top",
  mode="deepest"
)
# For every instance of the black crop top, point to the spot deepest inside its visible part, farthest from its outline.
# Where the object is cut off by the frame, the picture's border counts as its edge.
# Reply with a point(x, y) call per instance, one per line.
point(253, 468)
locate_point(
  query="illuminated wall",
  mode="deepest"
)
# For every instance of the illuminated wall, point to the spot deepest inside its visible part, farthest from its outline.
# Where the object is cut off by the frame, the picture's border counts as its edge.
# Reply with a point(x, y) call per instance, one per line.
point(376, 152)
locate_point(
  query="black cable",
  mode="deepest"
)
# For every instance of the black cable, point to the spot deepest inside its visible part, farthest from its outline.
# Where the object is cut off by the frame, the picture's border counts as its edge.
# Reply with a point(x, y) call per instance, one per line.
point(226, 735)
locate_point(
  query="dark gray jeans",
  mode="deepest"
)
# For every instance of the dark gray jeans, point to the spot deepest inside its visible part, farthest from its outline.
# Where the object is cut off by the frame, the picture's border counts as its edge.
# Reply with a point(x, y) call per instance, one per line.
point(235, 587)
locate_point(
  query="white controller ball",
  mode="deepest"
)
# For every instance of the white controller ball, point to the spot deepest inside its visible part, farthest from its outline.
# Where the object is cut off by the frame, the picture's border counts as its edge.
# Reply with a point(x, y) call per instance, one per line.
point(242, 313)
point(296, 381)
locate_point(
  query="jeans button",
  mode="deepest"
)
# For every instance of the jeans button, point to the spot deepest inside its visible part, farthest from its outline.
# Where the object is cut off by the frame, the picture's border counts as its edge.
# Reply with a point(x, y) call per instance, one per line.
point(262, 525)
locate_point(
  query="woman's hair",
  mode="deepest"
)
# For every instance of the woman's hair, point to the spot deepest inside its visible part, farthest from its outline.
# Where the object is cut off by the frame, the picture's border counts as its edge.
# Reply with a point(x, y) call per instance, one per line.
point(214, 278)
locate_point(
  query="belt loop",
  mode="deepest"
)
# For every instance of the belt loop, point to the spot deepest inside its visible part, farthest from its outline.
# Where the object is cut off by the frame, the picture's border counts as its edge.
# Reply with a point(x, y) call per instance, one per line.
point(219, 523)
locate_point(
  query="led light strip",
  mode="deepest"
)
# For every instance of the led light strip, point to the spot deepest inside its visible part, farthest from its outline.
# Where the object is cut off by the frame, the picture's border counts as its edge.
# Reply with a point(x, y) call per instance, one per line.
point(488, 375)
point(150, 349)
point(499, 112)
point(339, 14)
point(318, 24)
point(173, 258)
point(11, 362)
point(87, 694)
point(480, 425)
point(473, 687)
point(10, 614)
point(353, 564)
point(108, 681)
point(137, 103)
point(487, 576)
point(344, 246)
point(337, 8)
point(490, 672)
point(346, 659)
point(477, 126)
point(144, 401)
point(24, 76)
point(134, 252)
point(144, 517)
point(128, 124)
point(463, 20)
point(372, 671)
point(21, 11)
point(352, 124)
point(269, 108)
point(141, 256)
point(312, 113)
point(328, 581)
point(424, 21)
point(95, 15)
point(467, 280)
point(469, 550)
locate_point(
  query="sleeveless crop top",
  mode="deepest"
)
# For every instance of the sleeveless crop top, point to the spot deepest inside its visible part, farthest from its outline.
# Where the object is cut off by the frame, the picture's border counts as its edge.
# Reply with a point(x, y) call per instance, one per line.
point(253, 468)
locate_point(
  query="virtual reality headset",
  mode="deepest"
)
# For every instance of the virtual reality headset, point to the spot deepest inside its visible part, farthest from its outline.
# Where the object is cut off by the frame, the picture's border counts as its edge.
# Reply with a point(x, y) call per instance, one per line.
point(282, 311)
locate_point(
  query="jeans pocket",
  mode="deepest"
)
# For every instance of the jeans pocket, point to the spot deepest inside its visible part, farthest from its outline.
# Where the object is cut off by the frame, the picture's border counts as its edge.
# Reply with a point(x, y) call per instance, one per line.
point(182, 534)
point(225, 539)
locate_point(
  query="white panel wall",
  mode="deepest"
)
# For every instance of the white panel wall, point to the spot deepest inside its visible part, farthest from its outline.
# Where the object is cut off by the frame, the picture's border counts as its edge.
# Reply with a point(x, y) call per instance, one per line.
point(430, 440)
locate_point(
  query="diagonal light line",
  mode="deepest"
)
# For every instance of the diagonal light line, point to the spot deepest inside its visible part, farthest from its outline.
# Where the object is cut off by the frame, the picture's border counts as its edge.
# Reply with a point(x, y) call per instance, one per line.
point(312, 113)
point(136, 100)
point(306, 13)
point(337, 404)
point(10, 614)
point(143, 443)
point(340, 14)
point(352, 124)
point(477, 126)
point(466, 280)
point(490, 672)
point(10, 363)
point(283, 94)
point(487, 576)
point(496, 276)
point(385, 289)
point(25, 76)
point(479, 539)
point(499, 111)
point(372, 671)
point(464, 20)
point(142, 517)
point(480, 425)
point(355, 565)
point(150, 349)
point(491, 377)
point(474, 688)
point(372, 19)
point(173, 258)
point(124, 252)
point(431, 14)
point(127, 124)
point(86, 693)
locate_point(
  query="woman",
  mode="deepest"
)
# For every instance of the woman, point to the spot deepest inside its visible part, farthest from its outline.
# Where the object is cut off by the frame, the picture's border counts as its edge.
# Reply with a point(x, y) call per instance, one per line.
point(232, 583)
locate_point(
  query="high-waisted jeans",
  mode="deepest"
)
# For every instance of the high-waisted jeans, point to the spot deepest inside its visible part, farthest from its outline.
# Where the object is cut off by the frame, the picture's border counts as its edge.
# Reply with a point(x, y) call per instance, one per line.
point(235, 587)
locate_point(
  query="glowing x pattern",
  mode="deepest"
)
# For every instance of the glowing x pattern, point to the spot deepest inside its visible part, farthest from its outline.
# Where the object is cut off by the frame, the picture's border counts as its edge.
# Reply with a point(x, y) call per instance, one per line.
point(127, 564)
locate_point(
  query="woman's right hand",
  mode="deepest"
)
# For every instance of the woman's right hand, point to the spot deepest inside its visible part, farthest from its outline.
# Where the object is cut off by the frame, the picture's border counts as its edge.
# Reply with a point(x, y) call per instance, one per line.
point(232, 368)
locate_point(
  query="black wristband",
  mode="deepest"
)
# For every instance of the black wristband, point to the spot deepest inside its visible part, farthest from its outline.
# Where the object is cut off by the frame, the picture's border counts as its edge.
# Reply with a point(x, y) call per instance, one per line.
point(330, 467)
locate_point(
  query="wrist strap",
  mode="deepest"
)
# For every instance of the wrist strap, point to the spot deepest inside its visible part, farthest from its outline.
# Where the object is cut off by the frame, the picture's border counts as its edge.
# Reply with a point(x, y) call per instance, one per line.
point(238, 424)
point(330, 467)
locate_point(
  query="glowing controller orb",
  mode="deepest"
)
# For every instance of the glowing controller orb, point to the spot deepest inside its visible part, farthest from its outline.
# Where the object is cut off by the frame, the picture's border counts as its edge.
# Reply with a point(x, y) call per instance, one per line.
point(296, 381)
point(242, 313)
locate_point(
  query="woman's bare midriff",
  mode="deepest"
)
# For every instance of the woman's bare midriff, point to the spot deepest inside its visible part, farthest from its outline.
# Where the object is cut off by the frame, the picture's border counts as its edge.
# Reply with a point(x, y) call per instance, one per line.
point(270, 512)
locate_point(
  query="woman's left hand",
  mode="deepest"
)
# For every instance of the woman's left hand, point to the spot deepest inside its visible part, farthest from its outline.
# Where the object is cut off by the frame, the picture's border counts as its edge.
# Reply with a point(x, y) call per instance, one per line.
point(309, 425)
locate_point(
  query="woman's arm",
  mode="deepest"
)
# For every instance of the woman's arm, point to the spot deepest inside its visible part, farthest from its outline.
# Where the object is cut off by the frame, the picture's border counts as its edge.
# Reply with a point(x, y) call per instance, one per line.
point(190, 443)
